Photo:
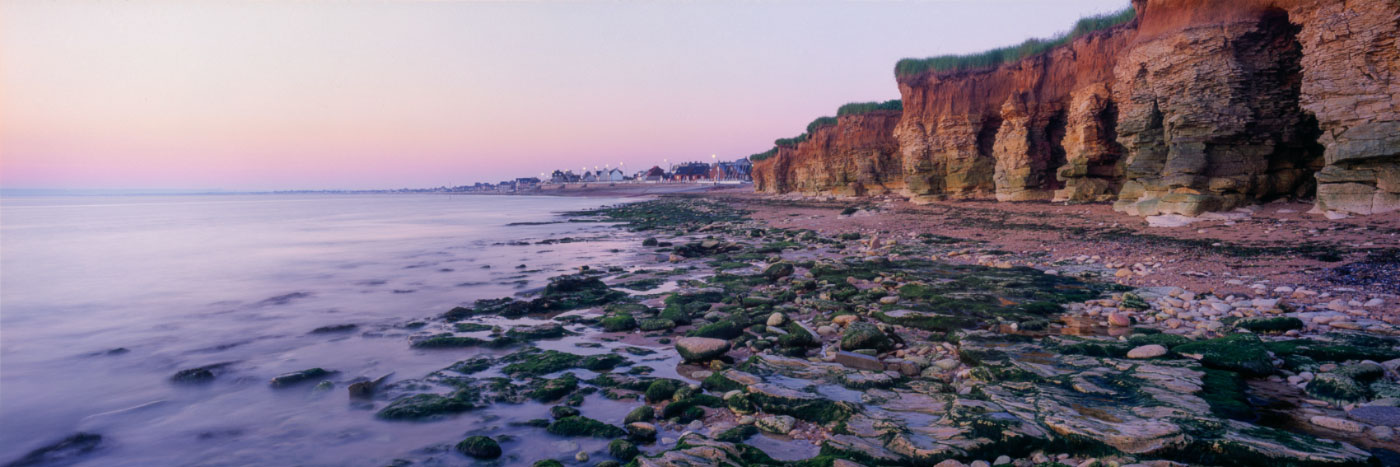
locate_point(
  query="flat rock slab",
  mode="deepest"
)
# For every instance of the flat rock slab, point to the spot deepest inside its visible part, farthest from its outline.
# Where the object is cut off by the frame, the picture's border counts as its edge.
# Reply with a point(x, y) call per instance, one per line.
point(1377, 415)
point(859, 361)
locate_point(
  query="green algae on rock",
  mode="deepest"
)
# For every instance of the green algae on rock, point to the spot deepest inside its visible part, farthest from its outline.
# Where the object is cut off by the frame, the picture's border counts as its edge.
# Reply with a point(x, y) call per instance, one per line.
point(584, 426)
point(479, 447)
point(429, 406)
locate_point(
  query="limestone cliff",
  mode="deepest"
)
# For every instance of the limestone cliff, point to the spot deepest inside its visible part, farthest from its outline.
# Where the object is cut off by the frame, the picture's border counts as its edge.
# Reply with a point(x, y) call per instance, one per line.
point(1193, 106)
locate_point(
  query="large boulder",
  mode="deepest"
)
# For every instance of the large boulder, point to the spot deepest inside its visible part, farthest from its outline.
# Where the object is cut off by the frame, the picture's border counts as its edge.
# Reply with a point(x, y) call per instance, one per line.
point(698, 349)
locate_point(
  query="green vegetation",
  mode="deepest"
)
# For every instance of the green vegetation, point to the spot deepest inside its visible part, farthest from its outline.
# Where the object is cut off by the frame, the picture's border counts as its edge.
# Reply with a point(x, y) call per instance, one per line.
point(820, 122)
point(763, 155)
point(789, 142)
point(425, 406)
point(914, 66)
point(584, 426)
point(857, 108)
point(480, 447)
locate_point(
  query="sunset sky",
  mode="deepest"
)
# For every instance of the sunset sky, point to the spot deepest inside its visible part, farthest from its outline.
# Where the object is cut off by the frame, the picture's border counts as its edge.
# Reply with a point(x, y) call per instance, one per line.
point(387, 94)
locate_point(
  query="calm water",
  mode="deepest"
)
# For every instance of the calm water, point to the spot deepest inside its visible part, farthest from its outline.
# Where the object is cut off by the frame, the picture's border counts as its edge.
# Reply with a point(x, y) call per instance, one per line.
point(186, 281)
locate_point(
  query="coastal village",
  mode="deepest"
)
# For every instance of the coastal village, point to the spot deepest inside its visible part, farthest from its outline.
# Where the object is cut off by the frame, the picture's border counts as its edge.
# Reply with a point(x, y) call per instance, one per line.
point(720, 172)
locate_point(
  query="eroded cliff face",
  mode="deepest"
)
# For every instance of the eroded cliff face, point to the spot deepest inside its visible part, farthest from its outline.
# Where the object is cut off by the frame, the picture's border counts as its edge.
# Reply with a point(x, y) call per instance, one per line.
point(1195, 106)
point(1002, 132)
point(855, 157)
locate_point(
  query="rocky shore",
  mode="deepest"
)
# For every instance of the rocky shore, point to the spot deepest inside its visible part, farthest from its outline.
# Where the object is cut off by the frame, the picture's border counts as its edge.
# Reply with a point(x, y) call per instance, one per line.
point(754, 330)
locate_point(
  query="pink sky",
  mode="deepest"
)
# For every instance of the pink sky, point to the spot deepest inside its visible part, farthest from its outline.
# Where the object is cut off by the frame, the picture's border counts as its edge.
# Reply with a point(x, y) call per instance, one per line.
point(387, 94)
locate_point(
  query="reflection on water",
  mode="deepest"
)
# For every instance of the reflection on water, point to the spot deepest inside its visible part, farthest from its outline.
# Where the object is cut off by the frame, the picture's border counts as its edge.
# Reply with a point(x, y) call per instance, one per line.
point(103, 299)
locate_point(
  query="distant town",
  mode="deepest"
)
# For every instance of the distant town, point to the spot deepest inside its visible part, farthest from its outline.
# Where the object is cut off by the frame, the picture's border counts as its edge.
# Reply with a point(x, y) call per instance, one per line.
point(721, 172)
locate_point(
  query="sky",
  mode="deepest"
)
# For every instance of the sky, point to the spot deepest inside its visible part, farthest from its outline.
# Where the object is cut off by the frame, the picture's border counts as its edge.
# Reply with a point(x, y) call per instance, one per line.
point(262, 95)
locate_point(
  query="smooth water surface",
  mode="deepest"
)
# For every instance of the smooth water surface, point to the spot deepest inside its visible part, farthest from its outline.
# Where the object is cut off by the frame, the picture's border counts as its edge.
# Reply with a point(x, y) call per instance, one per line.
point(102, 299)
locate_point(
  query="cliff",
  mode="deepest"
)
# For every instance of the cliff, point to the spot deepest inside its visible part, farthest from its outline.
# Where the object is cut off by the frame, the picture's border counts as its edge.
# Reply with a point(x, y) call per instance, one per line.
point(857, 156)
point(1191, 106)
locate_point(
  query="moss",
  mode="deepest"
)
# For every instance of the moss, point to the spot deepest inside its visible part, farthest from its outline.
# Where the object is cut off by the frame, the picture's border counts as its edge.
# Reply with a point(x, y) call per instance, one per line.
point(618, 323)
point(548, 463)
point(472, 365)
point(778, 271)
point(1337, 388)
point(623, 450)
point(532, 362)
point(479, 447)
point(449, 341)
point(1339, 349)
point(722, 329)
point(470, 327)
point(584, 426)
point(737, 434)
point(1270, 325)
point(812, 410)
point(561, 411)
point(862, 335)
point(1225, 392)
point(644, 284)
point(601, 362)
point(662, 389)
point(681, 406)
point(553, 389)
point(656, 324)
point(532, 333)
point(1243, 353)
point(717, 382)
point(640, 414)
point(426, 406)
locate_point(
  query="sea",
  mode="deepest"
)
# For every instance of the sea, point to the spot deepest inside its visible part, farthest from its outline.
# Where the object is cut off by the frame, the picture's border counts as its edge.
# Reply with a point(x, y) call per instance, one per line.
point(104, 298)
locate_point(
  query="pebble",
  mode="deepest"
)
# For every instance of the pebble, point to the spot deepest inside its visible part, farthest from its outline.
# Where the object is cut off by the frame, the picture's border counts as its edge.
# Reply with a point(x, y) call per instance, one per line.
point(1002, 460)
point(581, 456)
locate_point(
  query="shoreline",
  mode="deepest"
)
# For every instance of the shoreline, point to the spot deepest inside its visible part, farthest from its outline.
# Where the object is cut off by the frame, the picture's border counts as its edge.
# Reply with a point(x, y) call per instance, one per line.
point(758, 330)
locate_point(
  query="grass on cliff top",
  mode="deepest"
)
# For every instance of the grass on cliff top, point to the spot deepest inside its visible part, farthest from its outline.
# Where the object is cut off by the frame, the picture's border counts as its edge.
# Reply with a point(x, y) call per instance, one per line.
point(853, 108)
point(764, 155)
point(857, 108)
point(914, 66)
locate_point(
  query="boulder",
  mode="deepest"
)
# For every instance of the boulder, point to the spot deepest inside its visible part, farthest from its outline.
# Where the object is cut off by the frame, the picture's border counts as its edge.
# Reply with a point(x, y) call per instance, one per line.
point(1147, 351)
point(480, 447)
point(697, 349)
point(777, 424)
point(865, 336)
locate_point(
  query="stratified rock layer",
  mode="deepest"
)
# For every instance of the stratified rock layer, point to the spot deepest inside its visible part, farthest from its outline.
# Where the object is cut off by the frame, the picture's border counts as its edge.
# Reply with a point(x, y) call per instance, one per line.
point(855, 157)
point(1194, 106)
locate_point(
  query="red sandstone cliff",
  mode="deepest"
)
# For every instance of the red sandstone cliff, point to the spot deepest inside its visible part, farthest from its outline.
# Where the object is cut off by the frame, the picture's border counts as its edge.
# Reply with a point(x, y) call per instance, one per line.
point(855, 157)
point(1194, 106)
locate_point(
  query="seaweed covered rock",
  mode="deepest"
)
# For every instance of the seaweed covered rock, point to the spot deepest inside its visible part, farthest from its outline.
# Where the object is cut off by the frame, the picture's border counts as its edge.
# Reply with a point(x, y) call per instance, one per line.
point(698, 349)
point(575, 291)
point(1336, 387)
point(640, 414)
point(479, 447)
point(298, 377)
point(583, 426)
point(1244, 353)
point(428, 406)
point(554, 389)
point(778, 271)
point(1270, 325)
point(862, 335)
point(623, 450)
point(618, 323)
